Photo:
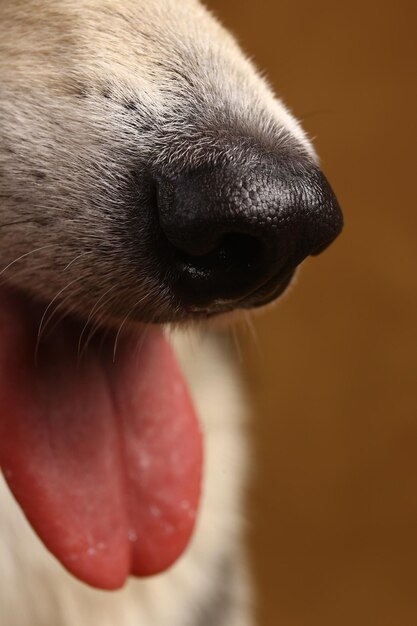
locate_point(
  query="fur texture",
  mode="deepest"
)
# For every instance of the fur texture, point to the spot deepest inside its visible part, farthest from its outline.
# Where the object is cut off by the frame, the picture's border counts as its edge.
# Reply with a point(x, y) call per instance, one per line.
point(97, 96)
point(130, 87)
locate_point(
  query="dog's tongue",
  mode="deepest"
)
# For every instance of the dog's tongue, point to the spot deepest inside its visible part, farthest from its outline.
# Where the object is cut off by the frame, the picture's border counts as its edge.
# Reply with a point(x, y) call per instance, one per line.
point(103, 455)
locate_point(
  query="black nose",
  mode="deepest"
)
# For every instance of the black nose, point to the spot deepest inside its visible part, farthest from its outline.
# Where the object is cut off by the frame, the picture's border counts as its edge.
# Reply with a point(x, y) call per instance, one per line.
point(237, 235)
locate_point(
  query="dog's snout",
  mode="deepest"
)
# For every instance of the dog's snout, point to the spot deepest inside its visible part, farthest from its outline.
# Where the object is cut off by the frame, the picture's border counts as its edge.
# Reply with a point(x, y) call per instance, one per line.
point(237, 234)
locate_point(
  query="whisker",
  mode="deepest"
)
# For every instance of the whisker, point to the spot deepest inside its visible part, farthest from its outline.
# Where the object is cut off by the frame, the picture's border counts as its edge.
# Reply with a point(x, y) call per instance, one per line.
point(61, 302)
point(99, 319)
point(76, 259)
point(19, 222)
point(22, 256)
point(96, 308)
point(252, 331)
point(237, 343)
point(116, 341)
point(41, 323)
point(59, 307)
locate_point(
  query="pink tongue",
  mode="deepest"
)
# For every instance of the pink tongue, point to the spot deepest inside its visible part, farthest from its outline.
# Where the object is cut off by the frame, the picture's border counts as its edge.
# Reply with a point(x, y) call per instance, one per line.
point(104, 458)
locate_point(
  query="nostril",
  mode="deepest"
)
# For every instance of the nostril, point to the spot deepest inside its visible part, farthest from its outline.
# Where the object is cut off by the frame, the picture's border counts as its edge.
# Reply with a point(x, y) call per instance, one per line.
point(235, 234)
point(234, 252)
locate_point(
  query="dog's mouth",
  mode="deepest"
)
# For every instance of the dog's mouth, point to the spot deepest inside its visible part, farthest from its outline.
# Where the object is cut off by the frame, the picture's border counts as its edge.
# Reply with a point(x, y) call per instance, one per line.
point(102, 450)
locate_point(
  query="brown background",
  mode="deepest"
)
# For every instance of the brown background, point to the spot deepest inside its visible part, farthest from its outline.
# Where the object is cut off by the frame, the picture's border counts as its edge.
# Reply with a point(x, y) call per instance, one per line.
point(334, 508)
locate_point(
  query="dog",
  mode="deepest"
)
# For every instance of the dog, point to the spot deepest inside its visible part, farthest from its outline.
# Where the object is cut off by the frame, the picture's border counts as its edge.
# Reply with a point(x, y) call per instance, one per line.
point(149, 179)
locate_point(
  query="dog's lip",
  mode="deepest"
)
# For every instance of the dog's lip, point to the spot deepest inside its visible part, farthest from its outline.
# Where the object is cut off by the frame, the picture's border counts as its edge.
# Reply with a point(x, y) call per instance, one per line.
point(270, 290)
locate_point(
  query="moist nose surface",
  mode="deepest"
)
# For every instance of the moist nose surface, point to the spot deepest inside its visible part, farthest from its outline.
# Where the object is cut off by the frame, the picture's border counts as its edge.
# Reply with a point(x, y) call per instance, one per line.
point(232, 230)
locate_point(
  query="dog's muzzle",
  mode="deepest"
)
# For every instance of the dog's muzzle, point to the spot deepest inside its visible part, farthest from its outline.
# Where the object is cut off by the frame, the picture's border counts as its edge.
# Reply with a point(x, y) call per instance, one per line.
point(236, 234)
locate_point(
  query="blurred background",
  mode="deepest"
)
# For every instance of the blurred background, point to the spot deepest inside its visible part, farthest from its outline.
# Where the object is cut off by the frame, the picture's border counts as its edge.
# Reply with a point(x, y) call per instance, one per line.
point(333, 373)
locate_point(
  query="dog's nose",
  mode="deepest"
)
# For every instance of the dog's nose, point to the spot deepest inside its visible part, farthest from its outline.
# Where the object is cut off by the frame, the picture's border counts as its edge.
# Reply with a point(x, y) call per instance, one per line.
point(237, 236)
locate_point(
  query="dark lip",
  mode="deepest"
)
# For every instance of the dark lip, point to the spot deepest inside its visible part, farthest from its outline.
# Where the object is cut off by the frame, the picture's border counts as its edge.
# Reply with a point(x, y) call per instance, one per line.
point(270, 291)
